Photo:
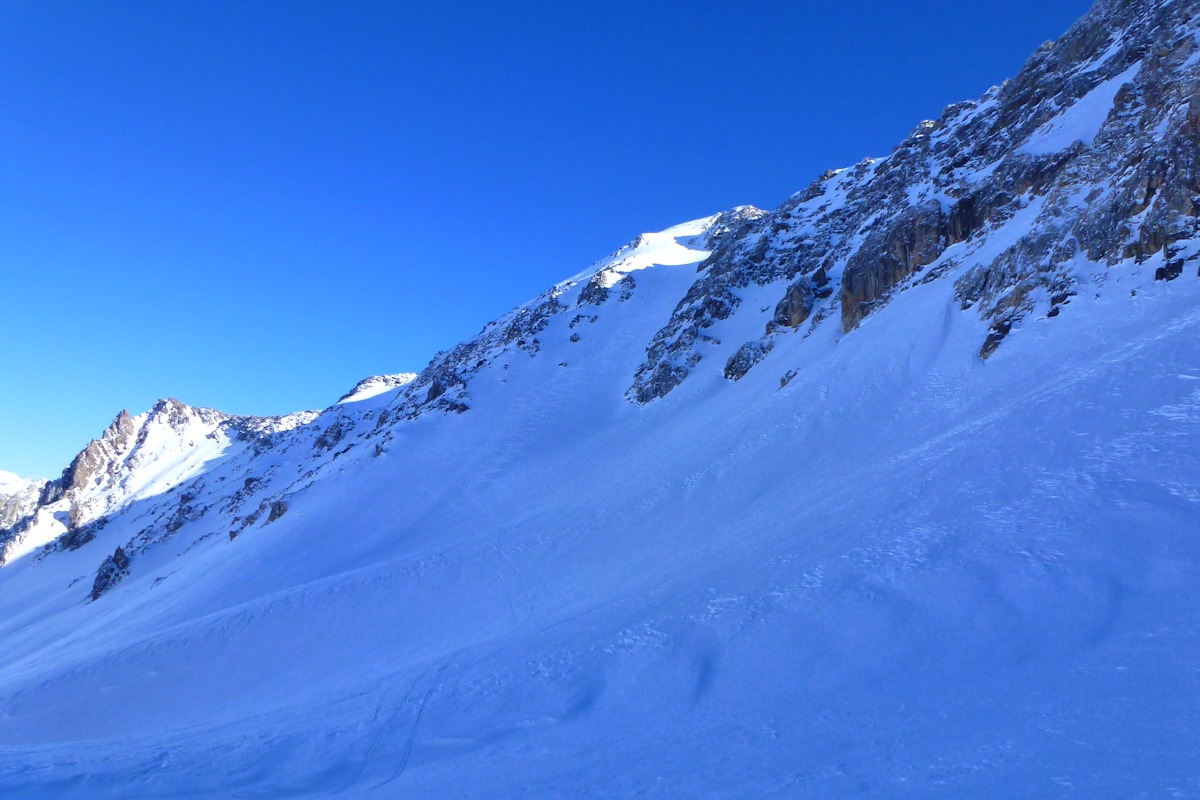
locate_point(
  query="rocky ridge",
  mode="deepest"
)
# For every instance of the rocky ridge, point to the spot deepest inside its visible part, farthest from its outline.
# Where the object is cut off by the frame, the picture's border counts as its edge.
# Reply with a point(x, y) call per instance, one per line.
point(1084, 163)
point(18, 498)
point(443, 383)
point(596, 541)
point(178, 465)
point(150, 455)
point(1087, 158)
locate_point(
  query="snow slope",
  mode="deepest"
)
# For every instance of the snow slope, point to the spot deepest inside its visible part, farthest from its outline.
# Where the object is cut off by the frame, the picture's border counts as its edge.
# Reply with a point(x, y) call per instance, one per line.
point(874, 565)
point(908, 571)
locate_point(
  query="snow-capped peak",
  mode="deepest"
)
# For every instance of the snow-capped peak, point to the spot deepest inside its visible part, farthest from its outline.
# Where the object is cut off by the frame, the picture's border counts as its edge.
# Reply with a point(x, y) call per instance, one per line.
point(679, 245)
point(375, 386)
point(11, 483)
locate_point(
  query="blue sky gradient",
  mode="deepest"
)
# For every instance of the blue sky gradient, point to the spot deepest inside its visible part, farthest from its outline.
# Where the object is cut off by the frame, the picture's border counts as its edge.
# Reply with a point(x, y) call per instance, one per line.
point(251, 206)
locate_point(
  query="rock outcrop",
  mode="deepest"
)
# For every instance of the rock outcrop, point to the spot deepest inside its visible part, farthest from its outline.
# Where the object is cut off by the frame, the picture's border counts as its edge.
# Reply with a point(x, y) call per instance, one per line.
point(110, 573)
point(1088, 156)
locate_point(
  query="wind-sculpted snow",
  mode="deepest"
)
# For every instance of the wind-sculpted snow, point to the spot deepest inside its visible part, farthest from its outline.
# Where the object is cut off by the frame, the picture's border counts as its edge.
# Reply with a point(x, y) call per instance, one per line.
point(839, 555)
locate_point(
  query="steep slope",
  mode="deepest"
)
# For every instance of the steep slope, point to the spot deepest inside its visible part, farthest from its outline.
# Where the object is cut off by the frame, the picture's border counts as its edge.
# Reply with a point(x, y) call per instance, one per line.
point(176, 465)
point(828, 550)
point(1085, 163)
point(18, 498)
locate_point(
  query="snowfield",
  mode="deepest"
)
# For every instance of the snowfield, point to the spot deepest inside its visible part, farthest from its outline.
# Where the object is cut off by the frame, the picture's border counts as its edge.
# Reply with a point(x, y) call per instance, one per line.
point(908, 572)
point(891, 492)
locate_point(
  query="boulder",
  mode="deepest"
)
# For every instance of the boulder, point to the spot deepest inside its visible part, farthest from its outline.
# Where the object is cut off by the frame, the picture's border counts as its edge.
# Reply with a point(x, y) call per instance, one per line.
point(746, 357)
point(796, 305)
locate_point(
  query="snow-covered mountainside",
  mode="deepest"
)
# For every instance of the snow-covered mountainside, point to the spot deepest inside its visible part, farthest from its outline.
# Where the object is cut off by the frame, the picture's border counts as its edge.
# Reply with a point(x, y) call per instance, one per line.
point(375, 385)
point(18, 498)
point(1088, 160)
point(892, 491)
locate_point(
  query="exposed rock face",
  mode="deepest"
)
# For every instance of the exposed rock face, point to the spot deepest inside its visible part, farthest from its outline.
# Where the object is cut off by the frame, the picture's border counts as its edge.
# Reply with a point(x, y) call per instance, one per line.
point(330, 436)
point(124, 445)
point(796, 305)
point(443, 384)
point(278, 509)
point(96, 459)
point(89, 471)
point(595, 291)
point(662, 379)
point(19, 500)
point(68, 513)
point(1089, 154)
point(913, 240)
point(110, 573)
point(746, 357)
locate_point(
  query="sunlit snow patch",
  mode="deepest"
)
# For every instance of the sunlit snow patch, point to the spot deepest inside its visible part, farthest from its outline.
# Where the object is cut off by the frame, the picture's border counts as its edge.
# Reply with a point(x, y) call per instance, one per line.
point(1081, 121)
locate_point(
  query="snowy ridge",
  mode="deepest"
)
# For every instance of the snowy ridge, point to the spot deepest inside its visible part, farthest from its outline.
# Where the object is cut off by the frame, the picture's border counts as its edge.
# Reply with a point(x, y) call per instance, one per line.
point(19, 498)
point(137, 458)
point(376, 385)
point(828, 551)
point(11, 483)
point(686, 243)
point(1096, 139)
point(443, 384)
point(151, 455)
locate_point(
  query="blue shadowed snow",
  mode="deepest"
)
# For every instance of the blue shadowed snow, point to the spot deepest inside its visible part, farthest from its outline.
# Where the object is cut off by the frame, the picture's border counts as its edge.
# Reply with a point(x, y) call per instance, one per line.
point(907, 573)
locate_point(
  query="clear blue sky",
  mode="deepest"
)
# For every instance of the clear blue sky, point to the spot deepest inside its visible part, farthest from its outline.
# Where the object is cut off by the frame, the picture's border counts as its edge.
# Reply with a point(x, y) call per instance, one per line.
point(251, 205)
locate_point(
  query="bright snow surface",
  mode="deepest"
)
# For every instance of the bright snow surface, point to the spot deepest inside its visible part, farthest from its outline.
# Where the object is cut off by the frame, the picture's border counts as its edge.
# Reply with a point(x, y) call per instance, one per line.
point(1081, 121)
point(11, 483)
point(377, 385)
point(677, 246)
point(909, 572)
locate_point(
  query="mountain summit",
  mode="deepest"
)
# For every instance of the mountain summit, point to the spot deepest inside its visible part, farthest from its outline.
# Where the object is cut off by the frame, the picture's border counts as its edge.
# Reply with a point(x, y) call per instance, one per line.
point(891, 491)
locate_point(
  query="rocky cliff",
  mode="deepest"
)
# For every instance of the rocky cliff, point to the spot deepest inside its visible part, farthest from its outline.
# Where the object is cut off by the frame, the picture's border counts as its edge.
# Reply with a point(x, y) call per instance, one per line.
point(892, 491)
point(1083, 163)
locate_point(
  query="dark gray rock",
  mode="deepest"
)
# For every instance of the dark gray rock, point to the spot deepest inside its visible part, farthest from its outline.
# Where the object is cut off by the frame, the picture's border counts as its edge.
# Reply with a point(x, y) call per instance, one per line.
point(110, 573)
point(332, 434)
point(594, 292)
point(664, 378)
point(746, 357)
point(278, 509)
